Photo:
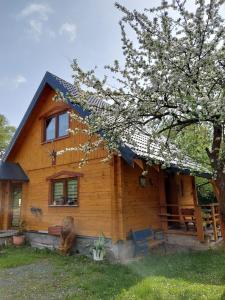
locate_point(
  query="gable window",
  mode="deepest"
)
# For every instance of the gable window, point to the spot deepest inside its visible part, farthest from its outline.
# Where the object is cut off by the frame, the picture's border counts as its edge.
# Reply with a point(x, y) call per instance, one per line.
point(64, 191)
point(56, 126)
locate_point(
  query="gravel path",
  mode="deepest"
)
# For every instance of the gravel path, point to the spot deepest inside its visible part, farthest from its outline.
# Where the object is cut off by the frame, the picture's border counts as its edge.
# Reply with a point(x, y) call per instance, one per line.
point(38, 281)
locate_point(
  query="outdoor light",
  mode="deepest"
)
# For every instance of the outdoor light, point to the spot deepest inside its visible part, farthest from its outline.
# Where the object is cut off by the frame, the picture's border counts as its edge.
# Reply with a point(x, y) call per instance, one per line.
point(142, 181)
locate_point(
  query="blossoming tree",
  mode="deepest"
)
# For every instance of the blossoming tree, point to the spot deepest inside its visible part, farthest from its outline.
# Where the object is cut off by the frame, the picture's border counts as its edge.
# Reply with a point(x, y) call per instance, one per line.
point(172, 77)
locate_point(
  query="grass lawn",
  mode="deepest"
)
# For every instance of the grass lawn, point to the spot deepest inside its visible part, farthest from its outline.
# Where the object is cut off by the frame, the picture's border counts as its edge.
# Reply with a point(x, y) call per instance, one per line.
point(30, 274)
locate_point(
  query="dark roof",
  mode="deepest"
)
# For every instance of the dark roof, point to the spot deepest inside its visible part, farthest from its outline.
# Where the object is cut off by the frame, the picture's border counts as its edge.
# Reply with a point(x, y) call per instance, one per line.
point(66, 88)
point(128, 152)
point(12, 171)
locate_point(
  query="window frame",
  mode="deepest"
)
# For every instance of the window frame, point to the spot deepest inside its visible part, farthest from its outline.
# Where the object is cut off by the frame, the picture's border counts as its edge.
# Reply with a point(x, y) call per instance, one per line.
point(65, 191)
point(61, 176)
point(56, 116)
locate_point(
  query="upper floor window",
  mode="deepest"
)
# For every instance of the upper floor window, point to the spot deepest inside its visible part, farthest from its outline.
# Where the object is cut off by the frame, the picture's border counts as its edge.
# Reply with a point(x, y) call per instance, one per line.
point(56, 126)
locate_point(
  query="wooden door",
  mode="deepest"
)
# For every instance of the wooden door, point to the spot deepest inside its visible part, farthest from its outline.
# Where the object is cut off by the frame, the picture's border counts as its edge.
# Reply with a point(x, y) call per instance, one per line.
point(16, 201)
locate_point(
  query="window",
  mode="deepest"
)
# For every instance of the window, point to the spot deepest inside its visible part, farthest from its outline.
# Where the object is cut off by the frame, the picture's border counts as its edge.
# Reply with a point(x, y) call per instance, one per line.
point(56, 126)
point(64, 191)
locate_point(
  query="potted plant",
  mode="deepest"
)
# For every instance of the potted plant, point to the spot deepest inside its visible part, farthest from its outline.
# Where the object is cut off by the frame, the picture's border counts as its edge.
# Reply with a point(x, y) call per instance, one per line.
point(19, 237)
point(98, 250)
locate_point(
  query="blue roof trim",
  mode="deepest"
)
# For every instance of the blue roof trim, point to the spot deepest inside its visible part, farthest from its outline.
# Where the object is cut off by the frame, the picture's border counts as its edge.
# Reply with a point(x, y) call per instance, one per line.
point(127, 154)
point(58, 84)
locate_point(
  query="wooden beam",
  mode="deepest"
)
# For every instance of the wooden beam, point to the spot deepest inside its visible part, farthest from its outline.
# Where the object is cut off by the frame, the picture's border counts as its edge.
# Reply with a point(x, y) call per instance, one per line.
point(1, 205)
point(198, 214)
point(140, 163)
point(118, 231)
point(6, 205)
point(162, 199)
point(156, 167)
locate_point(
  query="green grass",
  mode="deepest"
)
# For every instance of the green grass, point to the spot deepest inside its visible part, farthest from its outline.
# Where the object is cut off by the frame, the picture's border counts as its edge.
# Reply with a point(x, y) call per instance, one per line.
point(199, 275)
point(14, 257)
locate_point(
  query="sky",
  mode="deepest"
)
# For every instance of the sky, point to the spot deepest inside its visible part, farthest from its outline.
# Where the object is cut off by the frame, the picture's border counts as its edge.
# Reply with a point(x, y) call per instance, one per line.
point(39, 36)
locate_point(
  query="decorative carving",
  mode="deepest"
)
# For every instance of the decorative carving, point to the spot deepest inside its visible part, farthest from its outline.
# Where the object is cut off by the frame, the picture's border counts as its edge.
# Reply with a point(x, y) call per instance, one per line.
point(56, 109)
point(53, 155)
point(67, 236)
point(66, 174)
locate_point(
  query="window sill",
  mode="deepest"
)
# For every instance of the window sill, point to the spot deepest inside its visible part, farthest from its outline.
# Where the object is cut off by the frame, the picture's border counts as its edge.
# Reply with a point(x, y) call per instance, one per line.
point(54, 140)
point(75, 205)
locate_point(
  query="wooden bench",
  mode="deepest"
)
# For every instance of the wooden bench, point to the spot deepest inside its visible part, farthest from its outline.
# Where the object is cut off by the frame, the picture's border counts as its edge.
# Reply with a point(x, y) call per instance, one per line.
point(146, 239)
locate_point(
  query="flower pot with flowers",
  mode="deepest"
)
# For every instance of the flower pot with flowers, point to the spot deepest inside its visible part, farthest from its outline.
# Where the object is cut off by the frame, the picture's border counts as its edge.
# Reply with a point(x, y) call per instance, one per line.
point(19, 237)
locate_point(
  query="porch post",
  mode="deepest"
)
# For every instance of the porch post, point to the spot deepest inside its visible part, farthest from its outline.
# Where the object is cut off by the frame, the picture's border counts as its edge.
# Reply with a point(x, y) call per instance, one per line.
point(117, 210)
point(198, 214)
point(1, 205)
point(5, 205)
point(162, 200)
point(199, 224)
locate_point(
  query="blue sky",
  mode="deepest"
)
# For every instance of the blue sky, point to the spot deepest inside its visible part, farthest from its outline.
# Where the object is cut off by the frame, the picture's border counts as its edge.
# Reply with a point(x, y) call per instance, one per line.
point(37, 36)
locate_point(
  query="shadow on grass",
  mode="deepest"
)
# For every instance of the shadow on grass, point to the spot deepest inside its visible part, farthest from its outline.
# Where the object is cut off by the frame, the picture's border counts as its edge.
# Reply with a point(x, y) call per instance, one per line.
point(196, 267)
point(193, 276)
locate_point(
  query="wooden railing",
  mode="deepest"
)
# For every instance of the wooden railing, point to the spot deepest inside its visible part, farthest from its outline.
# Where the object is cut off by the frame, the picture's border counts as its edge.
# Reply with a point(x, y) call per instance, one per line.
point(202, 220)
point(211, 220)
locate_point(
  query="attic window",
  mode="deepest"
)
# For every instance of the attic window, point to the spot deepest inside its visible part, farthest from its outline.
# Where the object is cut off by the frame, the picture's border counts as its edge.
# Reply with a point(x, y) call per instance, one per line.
point(56, 126)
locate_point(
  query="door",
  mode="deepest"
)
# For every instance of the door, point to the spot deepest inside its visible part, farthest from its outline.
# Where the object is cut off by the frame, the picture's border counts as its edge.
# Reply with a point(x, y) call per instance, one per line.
point(16, 200)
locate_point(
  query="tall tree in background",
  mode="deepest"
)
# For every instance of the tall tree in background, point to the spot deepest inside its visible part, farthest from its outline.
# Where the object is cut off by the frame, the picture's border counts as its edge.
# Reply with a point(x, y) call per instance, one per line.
point(172, 78)
point(193, 141)
point(6, 132)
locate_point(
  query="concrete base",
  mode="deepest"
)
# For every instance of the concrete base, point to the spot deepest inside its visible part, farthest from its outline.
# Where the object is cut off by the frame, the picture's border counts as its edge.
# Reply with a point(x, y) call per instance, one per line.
point(122, 251)
point(114, 252)
point(190, 242)
point(82, 245)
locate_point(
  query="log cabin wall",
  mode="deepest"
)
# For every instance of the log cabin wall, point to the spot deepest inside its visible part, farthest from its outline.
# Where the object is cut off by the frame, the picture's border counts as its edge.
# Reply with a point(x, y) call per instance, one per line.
point(111, 199)
point(141, 205)
point(1, 204)
point(93, 215)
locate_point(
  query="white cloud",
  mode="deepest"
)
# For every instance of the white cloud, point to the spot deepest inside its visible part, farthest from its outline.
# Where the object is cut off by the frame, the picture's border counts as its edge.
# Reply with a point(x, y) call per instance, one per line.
point(13, 82)
point(19, 79)
point(69, 29)
point(35, 29)
point(38, 9)
point(35, 15)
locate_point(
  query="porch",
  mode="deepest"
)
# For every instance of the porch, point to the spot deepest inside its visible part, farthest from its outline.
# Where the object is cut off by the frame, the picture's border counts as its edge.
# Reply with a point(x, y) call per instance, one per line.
point(12, 178)
point(200, 221)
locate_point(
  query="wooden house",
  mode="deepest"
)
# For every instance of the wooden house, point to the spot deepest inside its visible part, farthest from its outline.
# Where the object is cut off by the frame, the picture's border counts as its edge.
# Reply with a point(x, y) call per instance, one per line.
point(42, 188)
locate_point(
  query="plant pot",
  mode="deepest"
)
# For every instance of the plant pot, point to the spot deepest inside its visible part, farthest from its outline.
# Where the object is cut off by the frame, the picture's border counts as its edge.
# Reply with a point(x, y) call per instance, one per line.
point(98, 255)
point(18, 240)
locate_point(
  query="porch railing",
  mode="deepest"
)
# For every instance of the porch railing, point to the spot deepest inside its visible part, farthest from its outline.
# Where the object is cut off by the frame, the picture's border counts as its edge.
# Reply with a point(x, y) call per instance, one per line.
point(201, 220)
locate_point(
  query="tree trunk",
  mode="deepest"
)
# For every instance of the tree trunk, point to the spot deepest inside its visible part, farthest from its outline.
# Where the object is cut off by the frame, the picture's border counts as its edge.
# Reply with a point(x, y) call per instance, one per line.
point(219, 190)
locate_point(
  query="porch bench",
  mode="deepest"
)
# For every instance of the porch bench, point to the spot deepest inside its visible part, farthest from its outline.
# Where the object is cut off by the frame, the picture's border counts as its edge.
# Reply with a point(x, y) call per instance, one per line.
point(146, 239)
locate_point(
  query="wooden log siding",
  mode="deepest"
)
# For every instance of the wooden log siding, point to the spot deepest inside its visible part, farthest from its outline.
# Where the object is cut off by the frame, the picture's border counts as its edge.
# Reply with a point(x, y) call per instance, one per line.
point(141, 204)
point(6, 208)
point(1, 204)
point(93, 215)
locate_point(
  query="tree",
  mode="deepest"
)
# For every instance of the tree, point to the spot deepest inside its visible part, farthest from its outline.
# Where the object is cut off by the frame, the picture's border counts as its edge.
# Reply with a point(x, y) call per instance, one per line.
point(172, 78)
point(6, 132)
point(193, 141)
